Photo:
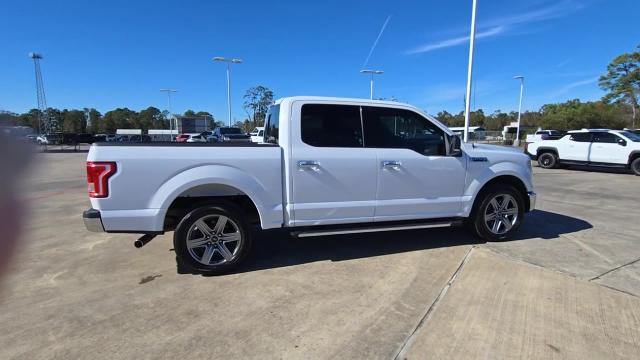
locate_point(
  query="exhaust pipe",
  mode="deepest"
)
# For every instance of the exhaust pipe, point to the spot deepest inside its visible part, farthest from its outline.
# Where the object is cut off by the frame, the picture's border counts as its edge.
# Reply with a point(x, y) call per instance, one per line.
point(143, 240)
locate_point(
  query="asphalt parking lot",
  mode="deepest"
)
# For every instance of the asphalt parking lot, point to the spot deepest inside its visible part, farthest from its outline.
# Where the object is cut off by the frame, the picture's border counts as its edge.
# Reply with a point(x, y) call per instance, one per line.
point(567, 287)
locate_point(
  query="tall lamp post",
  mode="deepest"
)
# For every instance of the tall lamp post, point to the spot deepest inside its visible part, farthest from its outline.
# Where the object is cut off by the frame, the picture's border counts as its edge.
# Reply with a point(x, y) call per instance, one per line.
point(467, 103)
point(371, 72)
point(229, 62)
point(516, 142)
point(169, 91)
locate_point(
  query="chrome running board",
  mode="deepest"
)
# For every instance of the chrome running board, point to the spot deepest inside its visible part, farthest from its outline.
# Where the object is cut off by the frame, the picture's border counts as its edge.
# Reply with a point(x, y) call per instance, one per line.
point(373, 229)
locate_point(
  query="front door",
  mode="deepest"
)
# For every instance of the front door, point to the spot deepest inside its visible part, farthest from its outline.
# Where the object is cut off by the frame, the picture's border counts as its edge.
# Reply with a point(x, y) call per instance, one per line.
point(607, 148)
point(333, 175)
point(416, 178)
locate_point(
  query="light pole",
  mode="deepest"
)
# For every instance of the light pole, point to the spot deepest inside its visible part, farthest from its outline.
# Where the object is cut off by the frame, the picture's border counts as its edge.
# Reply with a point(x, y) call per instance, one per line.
point(169, 91)
point(229, 62)
point(371, 72)
point(467, 103)
point(516, 142)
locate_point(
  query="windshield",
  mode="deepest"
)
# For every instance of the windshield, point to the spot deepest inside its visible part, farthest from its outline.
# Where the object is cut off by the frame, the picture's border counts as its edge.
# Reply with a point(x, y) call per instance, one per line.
point(230, 131)
point(631, 136)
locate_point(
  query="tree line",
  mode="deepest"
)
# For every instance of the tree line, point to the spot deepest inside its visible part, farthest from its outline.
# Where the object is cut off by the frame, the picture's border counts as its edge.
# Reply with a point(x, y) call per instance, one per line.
point(617, 109)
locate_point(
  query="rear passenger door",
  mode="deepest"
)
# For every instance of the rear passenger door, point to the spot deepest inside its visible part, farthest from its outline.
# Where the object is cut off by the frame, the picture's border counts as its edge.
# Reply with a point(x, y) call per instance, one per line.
point(333, 175)
point(577, 147)
point(416, 177)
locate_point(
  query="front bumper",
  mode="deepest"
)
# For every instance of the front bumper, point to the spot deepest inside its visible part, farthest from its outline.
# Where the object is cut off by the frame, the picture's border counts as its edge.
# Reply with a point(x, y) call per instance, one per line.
point(93, 220)
point(532, 200)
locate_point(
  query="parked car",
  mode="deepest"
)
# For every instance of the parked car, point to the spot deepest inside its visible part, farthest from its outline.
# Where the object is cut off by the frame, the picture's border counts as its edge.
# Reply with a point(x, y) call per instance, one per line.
point(140, 138)
point(550, 134)
point(100, 138)
point(83, 139)
point(257, 135)
point(329, 166)
point(196, 138)
point(591, 147)
point(31, 138)
point(111, 137)
point(228, 134)
point(49, 139)
point(182, 138)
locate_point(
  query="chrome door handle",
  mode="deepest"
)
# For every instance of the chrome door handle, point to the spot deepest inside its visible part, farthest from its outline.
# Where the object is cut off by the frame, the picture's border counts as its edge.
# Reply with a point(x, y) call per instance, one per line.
point(391, 164)
point(312, 164)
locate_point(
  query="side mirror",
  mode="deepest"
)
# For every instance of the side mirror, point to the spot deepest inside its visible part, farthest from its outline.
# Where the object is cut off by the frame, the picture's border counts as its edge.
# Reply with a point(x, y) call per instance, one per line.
point(455, 147)
point(622, 142)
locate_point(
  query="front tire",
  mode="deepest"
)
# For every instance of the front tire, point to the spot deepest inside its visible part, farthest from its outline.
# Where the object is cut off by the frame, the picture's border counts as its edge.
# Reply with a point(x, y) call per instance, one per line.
point(212, 239)
point(548, 160)
point(635, 166)
point(499, 214)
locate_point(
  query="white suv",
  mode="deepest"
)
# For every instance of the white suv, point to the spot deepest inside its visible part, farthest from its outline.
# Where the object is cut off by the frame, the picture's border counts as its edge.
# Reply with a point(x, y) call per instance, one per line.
point(593, 147)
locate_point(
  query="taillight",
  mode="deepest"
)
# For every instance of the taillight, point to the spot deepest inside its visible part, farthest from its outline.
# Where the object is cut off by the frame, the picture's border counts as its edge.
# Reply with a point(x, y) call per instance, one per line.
point(98, 174)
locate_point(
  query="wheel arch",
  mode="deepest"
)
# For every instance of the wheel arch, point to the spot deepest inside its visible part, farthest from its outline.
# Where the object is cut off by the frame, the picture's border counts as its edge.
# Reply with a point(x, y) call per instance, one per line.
point(505, 179)
point(220, 183)
point(634, 155)
point(545, 149)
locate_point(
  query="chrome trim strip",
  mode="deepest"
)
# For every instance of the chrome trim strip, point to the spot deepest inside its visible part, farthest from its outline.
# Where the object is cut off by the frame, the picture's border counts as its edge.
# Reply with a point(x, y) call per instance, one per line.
point(369, 230)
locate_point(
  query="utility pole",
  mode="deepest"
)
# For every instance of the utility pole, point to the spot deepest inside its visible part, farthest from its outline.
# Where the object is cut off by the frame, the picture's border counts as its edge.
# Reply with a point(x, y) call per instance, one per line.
point(516, 142)
point(467, 105)
point(229, 62)
point(169, 91)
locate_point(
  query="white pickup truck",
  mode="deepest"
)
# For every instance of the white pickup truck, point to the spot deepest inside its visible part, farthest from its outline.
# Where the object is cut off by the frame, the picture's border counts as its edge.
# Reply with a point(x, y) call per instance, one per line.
point(327, 166)
point(591, 147)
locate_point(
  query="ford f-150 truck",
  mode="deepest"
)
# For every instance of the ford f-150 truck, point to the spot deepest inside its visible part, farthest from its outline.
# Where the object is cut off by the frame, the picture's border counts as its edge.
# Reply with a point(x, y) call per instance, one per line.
point(591, 147)
point(326, 166)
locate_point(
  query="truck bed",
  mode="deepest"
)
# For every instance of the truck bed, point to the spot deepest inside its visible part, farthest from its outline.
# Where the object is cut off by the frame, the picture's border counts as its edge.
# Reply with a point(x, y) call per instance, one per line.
point(150, 176)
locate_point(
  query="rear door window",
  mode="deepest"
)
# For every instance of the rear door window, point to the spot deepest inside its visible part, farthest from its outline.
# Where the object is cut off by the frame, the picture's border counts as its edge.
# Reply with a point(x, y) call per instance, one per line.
point(580, 137)
point(325, 125)
point(272, 126)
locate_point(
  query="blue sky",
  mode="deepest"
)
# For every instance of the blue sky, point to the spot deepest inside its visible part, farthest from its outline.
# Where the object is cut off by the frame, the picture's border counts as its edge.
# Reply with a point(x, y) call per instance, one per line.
point(116, 53)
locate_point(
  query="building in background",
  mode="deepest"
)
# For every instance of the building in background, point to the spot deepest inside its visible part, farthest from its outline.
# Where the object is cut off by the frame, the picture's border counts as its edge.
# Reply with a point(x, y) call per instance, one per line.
point(193, 124)
point(162, 134)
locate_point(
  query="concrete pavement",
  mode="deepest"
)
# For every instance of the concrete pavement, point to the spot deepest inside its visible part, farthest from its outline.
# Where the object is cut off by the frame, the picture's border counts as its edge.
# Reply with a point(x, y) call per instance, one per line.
point(501, 309)
point(566, 287)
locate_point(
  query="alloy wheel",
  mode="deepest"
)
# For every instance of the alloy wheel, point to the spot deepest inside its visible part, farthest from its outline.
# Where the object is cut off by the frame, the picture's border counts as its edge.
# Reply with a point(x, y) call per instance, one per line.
point(214, 240)
point(501, 214)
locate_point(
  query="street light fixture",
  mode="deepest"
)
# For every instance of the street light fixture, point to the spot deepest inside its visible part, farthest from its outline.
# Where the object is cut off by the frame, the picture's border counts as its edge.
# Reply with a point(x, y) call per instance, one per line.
point(169, 91)
point(516, 142)
point(229, 62)
point(371, 72)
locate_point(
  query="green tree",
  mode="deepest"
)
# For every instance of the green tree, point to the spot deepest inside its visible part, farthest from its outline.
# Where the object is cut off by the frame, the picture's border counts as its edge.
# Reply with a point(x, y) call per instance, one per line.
point(96, 120)
point(622, 81)
point(73, 121)
point(256, 103)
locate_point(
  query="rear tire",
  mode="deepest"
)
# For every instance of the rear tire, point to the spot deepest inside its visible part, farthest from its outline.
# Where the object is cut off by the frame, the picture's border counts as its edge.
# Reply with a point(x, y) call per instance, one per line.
point(635, 166)
point(548, 160)
point(499, 213)
point(212, 239)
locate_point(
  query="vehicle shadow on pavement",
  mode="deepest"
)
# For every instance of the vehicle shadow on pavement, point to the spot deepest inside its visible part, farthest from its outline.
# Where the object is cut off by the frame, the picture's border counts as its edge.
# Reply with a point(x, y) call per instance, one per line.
point(276, 248)
point(548, 225)
point(594, 169)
